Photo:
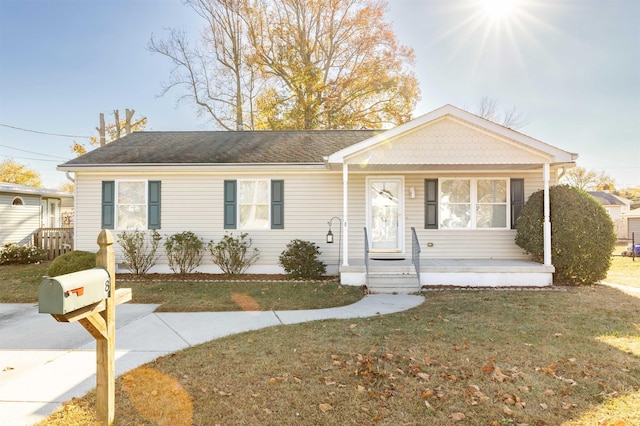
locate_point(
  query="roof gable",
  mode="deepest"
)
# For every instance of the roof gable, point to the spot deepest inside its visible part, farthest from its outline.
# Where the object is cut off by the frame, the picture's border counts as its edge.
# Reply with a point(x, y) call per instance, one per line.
point(450, 135)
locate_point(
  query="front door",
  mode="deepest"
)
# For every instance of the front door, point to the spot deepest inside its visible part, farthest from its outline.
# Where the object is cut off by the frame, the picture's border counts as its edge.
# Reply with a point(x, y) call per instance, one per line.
point(385, 207)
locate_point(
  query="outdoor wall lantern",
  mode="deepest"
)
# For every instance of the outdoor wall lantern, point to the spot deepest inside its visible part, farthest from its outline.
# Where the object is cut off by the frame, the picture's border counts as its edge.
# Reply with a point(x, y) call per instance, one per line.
point(330, 236)
point(412, 192)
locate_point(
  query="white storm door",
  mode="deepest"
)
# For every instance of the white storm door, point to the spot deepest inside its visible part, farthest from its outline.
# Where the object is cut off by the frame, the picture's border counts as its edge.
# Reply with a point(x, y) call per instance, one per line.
point(385, 213)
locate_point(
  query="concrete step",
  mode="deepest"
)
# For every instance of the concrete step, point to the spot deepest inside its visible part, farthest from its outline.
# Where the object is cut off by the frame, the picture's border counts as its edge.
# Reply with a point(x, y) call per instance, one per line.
point(388, 282)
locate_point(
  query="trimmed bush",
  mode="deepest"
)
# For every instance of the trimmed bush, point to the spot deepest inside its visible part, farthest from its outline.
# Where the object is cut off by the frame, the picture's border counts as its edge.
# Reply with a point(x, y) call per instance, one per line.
point(73, 261)
point(139, 250)
point(582, 234)
point(232, 254)
point(12, 253)
point(300, 260)
point(184, 252)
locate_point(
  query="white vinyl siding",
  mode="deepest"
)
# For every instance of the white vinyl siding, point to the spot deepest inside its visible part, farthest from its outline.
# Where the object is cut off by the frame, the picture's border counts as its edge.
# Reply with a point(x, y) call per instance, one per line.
point(312, 198)
point(19, 222)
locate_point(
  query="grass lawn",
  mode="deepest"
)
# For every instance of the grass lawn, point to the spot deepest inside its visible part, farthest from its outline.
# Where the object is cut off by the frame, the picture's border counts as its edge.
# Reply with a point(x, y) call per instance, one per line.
point(470, 357)
point(624, 270)
point(19, 284)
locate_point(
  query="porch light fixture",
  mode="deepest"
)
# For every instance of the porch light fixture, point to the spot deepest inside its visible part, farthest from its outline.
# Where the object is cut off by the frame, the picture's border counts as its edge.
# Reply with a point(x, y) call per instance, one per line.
point(330, 236)
point(412, 192)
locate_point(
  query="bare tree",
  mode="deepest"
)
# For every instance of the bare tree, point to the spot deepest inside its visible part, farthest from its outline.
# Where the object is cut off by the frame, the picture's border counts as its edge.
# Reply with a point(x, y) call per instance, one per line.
point(512, 118)
point(216, 76)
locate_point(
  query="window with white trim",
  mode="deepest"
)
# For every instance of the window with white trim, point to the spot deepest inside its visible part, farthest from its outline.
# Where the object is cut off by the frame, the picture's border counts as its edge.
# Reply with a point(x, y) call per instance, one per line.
point(254, 200)
point(131, 208)
point(474, 203)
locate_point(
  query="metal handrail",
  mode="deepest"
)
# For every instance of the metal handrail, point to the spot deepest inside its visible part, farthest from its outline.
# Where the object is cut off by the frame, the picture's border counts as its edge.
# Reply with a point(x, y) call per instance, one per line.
point(415, 252)
point(366, 256)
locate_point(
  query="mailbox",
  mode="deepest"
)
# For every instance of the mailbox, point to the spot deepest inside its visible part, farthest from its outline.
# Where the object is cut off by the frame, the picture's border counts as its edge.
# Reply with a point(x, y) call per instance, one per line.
point(70, 292)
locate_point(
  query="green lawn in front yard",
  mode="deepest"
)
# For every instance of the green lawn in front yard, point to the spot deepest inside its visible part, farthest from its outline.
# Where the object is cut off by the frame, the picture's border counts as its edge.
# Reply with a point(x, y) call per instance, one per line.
point(19, 284)
point(568, 357)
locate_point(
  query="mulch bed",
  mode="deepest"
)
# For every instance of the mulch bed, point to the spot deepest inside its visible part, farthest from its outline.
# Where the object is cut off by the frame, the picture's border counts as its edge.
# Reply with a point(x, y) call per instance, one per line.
point(204, 277)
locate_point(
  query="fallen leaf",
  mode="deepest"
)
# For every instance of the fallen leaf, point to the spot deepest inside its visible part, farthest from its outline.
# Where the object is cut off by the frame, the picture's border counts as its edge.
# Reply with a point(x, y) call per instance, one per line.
point(488, 367)
point(549, 392)
point(544, 406)
point(498, 376)
point(353, 326)
point(568, 405)
point(457, 417)
point(325, 407)
point(558, 335)
point(423, 376)
point(508, 411)
point(275, 380)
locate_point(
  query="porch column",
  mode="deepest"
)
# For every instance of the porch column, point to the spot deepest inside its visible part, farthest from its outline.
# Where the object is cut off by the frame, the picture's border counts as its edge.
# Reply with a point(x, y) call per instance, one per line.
point(547, 215)
point(345, 210)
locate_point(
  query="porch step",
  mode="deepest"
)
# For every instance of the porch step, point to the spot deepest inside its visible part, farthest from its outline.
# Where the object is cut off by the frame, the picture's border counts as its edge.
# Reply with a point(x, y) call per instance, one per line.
point(393, 282)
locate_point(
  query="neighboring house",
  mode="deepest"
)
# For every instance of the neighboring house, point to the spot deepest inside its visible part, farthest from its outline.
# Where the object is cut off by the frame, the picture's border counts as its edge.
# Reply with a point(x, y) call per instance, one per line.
point(25, 209)
point(458, 179)
point(633, 224)
point(615, 206)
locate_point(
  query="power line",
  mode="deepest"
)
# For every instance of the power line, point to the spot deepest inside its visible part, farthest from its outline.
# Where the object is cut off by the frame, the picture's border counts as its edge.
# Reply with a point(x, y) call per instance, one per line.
point(31, 152)
point(27, 158)
point(45, 133)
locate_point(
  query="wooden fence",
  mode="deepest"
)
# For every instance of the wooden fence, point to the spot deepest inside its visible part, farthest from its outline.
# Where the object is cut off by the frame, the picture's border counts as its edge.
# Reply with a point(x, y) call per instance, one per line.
point(54, 241)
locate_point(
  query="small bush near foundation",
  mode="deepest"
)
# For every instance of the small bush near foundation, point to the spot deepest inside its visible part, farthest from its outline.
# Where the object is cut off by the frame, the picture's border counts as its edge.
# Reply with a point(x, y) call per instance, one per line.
point(233, 254)
point(300, 260)
point(12, 253)
point(582, 234)
point(139, 250)
point(184, 252)
point(73, 261)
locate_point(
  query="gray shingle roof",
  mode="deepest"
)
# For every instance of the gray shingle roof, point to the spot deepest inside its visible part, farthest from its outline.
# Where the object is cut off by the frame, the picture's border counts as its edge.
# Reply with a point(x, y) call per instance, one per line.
point(222, 147)
point(606, 198)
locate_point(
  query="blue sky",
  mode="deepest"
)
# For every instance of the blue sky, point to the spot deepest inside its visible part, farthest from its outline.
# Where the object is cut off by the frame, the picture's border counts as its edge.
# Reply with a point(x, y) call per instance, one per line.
point(572, 67)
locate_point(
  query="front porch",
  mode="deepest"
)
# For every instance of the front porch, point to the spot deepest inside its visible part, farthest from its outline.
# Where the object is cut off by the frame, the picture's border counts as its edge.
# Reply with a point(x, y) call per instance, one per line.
point(399, 274)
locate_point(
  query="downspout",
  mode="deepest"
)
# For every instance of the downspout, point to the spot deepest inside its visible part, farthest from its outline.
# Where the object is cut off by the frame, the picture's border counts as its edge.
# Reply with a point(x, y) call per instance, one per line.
point(345, 210)
point(547, 215)
point(69, 176)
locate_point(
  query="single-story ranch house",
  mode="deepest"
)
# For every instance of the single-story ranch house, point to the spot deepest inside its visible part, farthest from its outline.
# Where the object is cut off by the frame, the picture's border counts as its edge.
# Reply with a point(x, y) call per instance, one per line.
point(430, 202)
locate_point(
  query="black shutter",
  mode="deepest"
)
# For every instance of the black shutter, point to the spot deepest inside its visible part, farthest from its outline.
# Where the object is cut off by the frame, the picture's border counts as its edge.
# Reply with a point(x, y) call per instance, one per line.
point(108, 204)
point(277, 204)
point(517, 200)
point(431, 203)
point(230, 204)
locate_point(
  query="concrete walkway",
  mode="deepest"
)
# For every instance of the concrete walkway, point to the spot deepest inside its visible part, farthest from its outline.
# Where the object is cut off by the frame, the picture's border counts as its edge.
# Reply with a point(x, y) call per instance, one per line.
point(44, 363)
point(632, 291)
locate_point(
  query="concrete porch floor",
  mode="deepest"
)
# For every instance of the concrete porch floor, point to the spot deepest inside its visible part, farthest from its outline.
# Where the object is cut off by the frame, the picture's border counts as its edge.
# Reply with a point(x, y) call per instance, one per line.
point(456, 272)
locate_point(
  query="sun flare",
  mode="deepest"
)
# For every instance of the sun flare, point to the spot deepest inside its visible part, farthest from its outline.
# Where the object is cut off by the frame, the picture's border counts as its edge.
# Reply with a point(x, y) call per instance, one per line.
point(499, 9)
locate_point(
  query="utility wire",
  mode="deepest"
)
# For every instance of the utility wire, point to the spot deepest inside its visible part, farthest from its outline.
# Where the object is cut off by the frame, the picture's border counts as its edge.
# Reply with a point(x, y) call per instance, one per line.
point(45, 133)
point(27, 158)
point(31, 152)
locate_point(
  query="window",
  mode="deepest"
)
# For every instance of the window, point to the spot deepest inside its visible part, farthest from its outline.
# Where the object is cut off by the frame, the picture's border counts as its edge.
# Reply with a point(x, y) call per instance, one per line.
point(17, 202)
point(131, 204)
point(473, 204)
point(479, 203)
point(254, 204)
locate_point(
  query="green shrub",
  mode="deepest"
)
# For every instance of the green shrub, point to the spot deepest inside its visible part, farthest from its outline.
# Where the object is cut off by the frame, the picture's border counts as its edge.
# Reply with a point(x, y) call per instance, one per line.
point(12, 253)
point(184, 252)
point(73, 261)
point(139, 250)
point(233, 254)
point(300, 260)
point(582, 234)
